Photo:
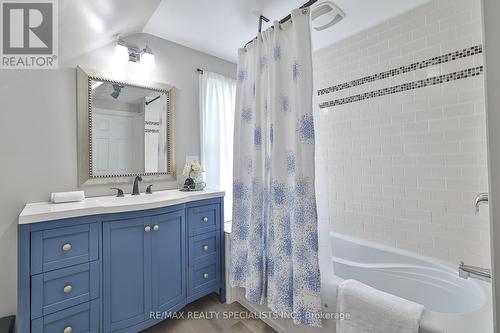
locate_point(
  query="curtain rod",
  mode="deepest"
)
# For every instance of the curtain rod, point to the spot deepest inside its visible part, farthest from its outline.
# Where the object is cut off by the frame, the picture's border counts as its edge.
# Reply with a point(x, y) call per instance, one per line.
point(151, 101)
point(283, 20)
point(262, 18)
point(202, 71)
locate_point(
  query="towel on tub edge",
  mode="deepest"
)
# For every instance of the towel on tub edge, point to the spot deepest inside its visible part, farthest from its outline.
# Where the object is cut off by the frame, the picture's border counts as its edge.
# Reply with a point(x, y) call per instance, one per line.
point(374, 311)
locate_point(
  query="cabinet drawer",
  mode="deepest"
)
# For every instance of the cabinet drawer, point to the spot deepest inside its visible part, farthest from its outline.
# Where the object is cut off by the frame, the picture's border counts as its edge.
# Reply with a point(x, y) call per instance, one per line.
point(83, 318)
point(203, 219)
point(204, 248)
point(57, 290)
point(62, 247)
point(204, 277)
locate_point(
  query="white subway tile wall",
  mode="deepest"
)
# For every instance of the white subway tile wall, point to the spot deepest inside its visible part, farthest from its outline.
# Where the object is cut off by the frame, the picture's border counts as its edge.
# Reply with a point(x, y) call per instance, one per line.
point(403, 169)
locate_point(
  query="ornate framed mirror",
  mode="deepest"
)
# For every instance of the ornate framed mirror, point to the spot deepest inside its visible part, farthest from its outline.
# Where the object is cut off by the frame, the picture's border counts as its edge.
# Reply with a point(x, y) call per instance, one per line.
point(124, 130)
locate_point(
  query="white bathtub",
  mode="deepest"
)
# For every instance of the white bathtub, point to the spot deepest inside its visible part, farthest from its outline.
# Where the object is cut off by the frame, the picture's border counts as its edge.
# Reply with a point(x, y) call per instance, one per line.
point(452, 304)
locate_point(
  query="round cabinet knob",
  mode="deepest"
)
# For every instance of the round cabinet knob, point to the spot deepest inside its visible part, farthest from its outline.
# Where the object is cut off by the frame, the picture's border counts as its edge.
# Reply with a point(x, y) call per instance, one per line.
point(66, 247)
point(67, 289)
point(68, 329)
point(205, 276)
point(147, 228)
point(156, 227)
point(205, 219)
point(205, 248)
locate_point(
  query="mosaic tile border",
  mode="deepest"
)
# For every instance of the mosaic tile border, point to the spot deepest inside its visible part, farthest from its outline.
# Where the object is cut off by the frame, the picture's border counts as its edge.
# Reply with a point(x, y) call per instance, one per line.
point(478, 49)
point(463, 74)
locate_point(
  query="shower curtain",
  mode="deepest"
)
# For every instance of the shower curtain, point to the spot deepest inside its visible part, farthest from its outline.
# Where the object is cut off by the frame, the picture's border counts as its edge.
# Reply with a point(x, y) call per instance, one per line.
point(274, 239)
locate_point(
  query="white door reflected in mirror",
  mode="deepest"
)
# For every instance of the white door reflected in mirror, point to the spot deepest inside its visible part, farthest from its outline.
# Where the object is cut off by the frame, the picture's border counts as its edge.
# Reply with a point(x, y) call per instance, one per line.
point(129, 129)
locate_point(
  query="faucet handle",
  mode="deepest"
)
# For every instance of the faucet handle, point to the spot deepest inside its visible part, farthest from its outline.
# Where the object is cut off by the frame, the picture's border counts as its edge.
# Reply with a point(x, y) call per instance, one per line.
point(149, 189)
point(119, 191)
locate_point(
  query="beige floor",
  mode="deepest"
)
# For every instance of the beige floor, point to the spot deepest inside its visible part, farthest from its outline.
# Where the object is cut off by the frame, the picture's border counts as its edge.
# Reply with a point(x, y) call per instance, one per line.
point(208, 305)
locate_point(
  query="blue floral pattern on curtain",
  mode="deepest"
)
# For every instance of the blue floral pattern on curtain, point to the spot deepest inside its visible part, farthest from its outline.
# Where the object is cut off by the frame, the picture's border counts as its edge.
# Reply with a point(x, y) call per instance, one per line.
point(274, 240)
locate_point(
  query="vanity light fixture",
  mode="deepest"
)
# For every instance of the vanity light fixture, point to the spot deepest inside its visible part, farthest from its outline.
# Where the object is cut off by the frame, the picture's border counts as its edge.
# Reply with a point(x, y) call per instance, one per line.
point(121, 51)
point(148, 58)
point(117, 89)
point(124, 53)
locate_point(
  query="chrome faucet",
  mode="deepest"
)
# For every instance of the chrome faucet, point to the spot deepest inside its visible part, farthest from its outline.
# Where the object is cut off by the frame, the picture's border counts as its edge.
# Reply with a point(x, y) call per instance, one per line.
point(135, 190)
point(482, 198)
point(466, 271)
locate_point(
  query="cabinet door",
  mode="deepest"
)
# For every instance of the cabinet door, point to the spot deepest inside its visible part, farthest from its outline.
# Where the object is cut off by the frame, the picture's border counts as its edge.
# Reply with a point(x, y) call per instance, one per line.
point(126, 273)
point(168, 260)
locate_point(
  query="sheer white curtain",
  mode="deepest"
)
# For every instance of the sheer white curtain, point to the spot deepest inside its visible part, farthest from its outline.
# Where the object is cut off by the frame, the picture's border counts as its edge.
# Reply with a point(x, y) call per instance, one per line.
point(217, 102)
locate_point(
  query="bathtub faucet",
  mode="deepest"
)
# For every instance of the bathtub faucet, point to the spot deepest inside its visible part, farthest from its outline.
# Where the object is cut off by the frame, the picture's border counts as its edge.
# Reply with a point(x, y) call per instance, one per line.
point(482, 198)
point(466, 271)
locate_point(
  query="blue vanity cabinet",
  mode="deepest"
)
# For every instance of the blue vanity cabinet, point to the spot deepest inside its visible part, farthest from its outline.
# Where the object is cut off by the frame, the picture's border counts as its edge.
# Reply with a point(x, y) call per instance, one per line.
point(63, 288)
point(62, 247)
point(143, 268)
point(118, 272)
point(126, 273)
point(206, 249)
point(168, 275)
point(59, 272)
point(83, 318)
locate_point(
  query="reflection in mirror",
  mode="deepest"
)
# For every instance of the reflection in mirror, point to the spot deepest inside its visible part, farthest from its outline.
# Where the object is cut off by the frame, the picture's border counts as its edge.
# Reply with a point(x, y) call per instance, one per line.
point(129, 129)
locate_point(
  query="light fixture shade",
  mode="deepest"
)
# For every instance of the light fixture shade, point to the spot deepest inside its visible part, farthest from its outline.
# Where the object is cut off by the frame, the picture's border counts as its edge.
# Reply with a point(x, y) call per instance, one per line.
point(121, 53)
point(148, 58)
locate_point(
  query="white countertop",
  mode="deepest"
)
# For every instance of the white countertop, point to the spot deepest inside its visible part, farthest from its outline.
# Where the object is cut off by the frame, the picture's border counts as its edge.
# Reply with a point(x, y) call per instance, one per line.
point(47, 211)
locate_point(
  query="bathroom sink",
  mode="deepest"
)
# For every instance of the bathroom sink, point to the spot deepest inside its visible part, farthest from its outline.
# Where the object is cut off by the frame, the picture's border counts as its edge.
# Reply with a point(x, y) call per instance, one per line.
point(47, 211)
point(142, 199)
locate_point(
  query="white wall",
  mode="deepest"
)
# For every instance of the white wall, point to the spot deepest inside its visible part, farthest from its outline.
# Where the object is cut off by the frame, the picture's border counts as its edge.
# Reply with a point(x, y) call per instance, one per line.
point(38, 134)
point(403, 169)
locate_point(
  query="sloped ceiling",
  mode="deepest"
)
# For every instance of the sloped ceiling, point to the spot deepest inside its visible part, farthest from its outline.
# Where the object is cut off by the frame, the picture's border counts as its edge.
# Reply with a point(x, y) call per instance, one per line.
point(216, 27)
point(220, 27)
point(90, 24)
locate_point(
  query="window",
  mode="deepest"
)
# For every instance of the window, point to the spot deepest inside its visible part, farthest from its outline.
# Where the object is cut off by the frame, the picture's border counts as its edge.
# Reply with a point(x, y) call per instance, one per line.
point(217, 103)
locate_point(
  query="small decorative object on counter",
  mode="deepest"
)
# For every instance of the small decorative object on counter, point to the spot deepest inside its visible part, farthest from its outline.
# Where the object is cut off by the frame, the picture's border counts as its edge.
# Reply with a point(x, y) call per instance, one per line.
point(193, 187)
point(192, 170)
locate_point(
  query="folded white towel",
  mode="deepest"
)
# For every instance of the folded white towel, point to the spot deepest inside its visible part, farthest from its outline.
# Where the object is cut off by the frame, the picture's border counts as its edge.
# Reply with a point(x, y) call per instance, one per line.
point(60, 197)
point(373, 311)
